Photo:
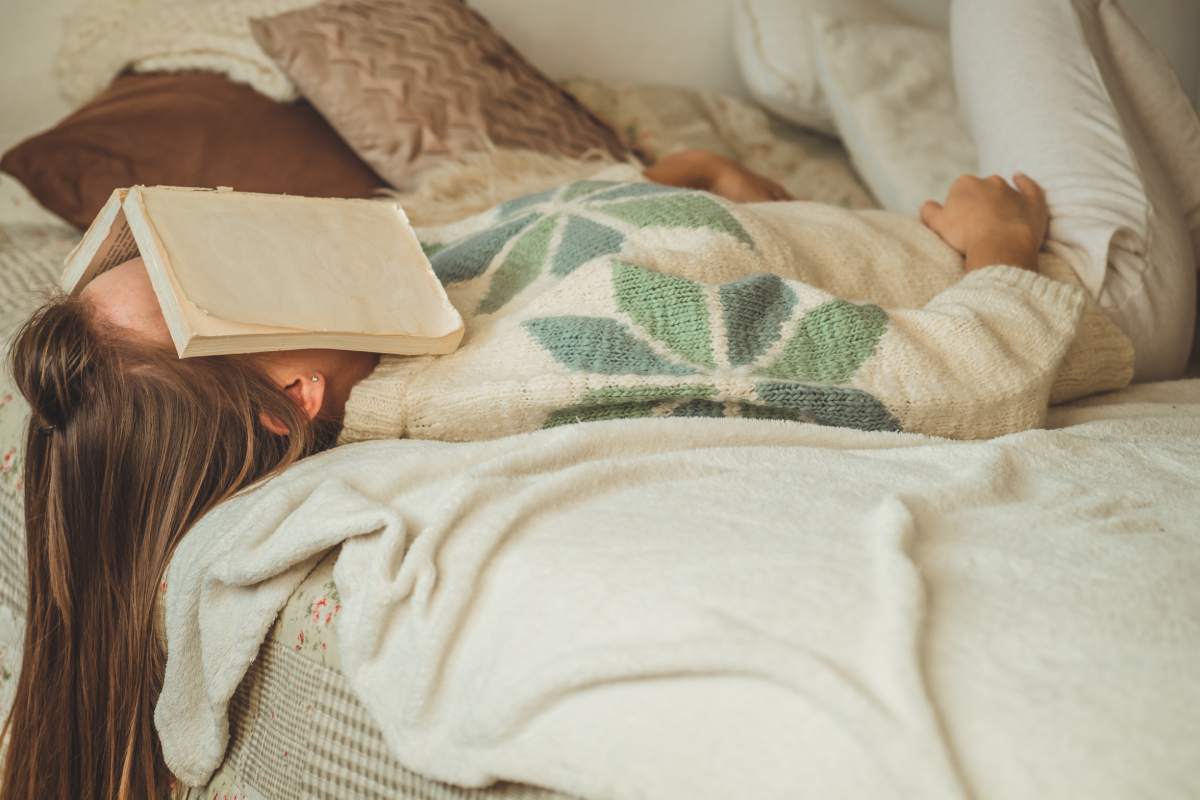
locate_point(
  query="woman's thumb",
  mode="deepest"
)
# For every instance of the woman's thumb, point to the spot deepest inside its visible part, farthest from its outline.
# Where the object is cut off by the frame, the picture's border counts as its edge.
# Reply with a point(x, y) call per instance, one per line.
point(930, 212)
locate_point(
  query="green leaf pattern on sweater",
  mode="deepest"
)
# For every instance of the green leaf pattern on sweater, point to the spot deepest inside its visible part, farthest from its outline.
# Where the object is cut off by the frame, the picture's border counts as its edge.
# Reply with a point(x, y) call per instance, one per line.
point(754, 309)
point(831, 342)
point(599, 215)
point(520, 267)
point(684, 348)
point(670, 309)
point(600, 345)
point(827, 345)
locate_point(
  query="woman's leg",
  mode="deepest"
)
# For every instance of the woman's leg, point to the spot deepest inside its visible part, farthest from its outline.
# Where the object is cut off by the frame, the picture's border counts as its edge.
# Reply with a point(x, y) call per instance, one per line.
point(1042, 94)
point(1164, 109)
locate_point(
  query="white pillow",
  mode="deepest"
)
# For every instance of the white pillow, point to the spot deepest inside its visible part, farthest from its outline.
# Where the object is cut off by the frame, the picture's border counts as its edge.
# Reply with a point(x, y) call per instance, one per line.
point(1041, 93)
point(773, 41)
point(891, 92)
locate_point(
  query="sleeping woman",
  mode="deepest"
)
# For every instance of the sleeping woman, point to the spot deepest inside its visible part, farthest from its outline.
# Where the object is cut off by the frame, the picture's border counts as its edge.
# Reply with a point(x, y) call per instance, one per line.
point(689, 295)
point(595, 300)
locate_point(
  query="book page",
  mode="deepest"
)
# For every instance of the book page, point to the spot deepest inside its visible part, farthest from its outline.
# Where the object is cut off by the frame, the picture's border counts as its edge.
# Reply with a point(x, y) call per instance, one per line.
point(326, 265)
point(118, 249)
point(106, 243)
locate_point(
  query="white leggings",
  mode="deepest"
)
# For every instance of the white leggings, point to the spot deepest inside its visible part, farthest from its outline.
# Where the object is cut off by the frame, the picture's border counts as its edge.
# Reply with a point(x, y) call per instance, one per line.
point(1043, 93)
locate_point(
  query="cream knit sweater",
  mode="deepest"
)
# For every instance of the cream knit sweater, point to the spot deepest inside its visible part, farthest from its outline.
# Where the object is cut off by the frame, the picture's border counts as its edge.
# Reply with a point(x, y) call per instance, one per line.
point(600, 300)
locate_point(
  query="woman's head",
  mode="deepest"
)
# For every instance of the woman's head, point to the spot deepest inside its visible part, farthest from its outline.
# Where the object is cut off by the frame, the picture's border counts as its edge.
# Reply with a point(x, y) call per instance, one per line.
point(127, 447)
point(123, 300)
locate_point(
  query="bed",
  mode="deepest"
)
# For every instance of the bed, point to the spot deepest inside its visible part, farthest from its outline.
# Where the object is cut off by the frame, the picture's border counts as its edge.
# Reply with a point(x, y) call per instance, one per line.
point(298, 728)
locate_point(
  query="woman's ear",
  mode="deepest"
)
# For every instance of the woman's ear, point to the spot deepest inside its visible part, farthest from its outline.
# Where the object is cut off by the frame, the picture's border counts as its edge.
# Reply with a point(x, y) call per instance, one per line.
point(306, 391)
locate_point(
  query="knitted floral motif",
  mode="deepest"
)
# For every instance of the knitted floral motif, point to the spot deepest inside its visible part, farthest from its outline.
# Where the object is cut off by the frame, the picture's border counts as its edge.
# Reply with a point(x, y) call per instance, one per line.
point(767, 361)
point(560, 229)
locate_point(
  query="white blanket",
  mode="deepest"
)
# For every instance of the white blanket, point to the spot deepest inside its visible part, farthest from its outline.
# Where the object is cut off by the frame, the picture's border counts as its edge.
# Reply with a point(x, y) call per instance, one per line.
point(730, 608)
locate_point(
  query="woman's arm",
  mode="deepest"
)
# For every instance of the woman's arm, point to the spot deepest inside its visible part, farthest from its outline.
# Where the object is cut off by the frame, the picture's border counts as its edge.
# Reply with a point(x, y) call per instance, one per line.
point(703, 169)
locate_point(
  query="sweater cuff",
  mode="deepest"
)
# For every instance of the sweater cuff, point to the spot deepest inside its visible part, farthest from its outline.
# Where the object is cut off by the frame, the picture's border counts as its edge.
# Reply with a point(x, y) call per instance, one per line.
point(1100, 355)
point(376, 408)
point(1057, 292)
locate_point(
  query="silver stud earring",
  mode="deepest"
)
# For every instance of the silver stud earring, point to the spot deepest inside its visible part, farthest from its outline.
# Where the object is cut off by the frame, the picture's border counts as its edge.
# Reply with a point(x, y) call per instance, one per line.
point(316, 378)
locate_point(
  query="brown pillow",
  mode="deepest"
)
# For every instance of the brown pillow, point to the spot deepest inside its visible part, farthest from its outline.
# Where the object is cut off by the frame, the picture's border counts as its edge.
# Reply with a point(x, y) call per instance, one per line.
point(184, 129)
point(407, 81)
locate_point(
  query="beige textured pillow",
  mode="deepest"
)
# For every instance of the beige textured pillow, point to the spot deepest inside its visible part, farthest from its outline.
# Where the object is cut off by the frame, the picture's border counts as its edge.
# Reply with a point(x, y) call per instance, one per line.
point(408, 81)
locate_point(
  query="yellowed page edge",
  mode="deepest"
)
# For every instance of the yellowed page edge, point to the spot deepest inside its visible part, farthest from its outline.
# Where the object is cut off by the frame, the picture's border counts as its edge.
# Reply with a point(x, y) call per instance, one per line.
point(79, 267)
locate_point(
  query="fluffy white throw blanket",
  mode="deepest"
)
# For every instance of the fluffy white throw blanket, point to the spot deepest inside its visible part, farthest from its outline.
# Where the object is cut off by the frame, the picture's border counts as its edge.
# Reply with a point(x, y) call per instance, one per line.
point(103, 37)
point(736, 608)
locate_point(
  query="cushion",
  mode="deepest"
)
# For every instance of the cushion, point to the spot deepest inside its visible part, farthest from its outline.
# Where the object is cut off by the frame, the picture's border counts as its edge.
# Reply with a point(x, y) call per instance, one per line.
point(184, 129)
point(891, 92)
point(773, 43)
point(408, 82)
point(1042, 92)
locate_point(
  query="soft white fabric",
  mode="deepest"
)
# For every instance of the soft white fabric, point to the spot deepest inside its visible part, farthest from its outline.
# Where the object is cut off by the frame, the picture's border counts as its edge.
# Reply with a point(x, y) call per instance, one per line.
point(1041, 93)
point(103, 37)
point(890, 88)
point(773, 41)
point(733, 608)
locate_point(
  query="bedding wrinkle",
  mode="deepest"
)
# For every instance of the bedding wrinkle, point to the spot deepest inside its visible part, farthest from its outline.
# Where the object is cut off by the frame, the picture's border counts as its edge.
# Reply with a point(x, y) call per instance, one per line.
point(240, 574)
point(899, 638)
point(434, 606)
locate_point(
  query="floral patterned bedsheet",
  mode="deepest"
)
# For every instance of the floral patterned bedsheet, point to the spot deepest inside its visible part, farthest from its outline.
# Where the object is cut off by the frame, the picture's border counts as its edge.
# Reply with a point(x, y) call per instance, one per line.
point(31, 255)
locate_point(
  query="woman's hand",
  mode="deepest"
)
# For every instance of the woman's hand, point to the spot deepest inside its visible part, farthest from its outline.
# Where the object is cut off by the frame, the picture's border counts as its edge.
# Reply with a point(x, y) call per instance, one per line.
point(990, 222)
point(702, 169)
point(736, 183)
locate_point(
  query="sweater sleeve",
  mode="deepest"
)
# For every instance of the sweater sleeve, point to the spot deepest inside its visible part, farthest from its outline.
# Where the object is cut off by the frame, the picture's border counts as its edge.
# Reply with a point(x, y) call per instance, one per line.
point(376, 407)
point(980, 358)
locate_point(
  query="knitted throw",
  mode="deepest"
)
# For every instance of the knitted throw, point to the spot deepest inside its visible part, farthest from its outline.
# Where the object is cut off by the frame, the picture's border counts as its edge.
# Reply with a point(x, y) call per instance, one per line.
point(602, 300)
point(103, 37)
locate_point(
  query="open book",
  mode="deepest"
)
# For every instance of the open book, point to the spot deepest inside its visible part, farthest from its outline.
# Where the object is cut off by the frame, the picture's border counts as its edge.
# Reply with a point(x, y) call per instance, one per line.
point(237, 272)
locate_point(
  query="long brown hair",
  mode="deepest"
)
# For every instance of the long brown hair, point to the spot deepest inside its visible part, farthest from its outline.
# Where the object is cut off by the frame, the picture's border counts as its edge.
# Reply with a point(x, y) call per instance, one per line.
point(127, 447)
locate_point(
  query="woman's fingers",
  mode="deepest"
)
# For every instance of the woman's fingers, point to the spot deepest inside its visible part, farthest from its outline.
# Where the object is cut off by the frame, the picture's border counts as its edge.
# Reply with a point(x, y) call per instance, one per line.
point(930, 211)
point(1029, 187)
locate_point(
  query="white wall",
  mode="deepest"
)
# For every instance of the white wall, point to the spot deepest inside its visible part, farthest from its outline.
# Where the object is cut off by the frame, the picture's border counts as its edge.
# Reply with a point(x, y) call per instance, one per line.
point(29, 35)
point(677, 42)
